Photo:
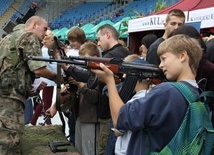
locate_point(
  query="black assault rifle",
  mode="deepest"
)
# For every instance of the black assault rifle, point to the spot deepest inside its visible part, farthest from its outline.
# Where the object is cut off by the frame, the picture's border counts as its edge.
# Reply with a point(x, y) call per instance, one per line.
point(133, 71)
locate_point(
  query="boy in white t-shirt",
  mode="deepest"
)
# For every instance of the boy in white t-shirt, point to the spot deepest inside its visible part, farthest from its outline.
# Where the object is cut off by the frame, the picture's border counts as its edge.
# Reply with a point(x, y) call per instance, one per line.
point(141, 88)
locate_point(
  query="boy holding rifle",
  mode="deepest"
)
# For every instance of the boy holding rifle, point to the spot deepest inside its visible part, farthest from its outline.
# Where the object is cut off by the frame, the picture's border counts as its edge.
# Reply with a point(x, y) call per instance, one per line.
point(155, 114)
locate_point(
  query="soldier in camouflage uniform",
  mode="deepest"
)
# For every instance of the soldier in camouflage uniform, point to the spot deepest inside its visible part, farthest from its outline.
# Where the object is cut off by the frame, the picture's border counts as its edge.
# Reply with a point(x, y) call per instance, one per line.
point(16, 75)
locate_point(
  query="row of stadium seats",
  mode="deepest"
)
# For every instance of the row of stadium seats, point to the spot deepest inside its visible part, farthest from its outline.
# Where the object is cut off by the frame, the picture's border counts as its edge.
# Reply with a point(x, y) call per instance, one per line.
point(89, 12)
point(24, 7)
point(4, 6)
point(85, 12)
point(96, 12)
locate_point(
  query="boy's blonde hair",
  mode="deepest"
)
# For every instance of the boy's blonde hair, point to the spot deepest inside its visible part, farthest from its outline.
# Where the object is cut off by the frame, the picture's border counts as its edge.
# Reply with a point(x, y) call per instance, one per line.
point(49, 35)
point(180, 43)
point(131, 57)
point(89, 48)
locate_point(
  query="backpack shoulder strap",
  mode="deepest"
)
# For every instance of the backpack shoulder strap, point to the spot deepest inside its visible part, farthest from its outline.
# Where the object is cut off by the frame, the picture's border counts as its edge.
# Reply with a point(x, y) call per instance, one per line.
point(191, 97)
point(185, 90)
point(206, 94)
point(13, 49)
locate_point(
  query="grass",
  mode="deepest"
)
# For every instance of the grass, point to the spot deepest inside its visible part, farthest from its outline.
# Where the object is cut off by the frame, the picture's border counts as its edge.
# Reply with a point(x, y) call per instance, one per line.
point(35, 140)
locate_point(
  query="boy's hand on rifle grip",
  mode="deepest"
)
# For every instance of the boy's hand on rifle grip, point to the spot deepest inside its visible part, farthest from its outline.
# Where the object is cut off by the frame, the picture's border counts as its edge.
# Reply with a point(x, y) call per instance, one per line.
point(105, 74)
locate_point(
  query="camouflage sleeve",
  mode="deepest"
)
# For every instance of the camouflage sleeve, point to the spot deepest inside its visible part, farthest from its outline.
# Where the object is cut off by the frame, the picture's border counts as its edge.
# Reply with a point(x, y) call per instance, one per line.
point(30, 45)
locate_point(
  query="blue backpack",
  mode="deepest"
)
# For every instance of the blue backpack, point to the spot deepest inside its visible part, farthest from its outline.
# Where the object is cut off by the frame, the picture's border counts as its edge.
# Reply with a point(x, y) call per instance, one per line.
point(196, 134)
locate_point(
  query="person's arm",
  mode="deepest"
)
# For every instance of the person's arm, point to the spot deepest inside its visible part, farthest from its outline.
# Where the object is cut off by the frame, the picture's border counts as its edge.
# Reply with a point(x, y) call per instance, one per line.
point(115, 101)
point(44, 72)
point(52, 110)
point(28, 44)
point(91, 94)
point(78, 73)
point(41, 86)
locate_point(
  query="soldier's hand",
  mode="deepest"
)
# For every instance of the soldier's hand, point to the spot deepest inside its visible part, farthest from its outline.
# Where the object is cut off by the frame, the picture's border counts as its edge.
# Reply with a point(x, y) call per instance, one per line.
point(61, 79)
point(42, 85)
point(51, 111)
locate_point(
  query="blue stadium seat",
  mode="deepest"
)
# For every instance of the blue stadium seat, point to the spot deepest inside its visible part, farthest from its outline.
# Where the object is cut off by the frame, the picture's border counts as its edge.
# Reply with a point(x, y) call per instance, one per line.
point(88, 11)
point(24, 7)
point(75, 14)
point(5, 5)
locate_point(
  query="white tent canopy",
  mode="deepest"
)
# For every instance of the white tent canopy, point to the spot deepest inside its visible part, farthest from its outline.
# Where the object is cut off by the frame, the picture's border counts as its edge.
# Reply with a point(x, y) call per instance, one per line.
point(206, 16)
point(199, 13)
point(153, 22)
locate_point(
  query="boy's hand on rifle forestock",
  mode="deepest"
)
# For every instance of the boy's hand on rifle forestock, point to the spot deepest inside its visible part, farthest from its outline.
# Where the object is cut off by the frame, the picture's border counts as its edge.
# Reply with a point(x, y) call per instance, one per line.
point(105, 74)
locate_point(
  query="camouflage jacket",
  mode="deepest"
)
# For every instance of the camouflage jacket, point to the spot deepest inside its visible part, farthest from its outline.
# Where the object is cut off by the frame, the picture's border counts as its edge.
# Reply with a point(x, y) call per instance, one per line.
point(15, 69)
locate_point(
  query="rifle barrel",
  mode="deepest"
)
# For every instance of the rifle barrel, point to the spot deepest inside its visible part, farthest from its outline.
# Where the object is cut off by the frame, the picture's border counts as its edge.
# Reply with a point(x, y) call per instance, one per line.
point(66, 61)
point(115, 65)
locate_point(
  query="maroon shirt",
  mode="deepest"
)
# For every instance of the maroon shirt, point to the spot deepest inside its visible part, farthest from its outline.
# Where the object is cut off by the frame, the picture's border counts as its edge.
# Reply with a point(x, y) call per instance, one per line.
point(206, 70)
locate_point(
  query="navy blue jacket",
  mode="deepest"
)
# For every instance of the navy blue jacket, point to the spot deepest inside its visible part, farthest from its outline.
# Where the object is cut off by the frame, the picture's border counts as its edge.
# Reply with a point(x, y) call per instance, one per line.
point(160, 112)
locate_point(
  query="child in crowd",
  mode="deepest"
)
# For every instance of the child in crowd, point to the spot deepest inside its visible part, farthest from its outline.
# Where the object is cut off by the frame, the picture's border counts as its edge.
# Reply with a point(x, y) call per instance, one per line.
point(141, 89)
point(76, 37)
point(86, 132)
point(146, 41)
point(155, 114)
point(120, 143)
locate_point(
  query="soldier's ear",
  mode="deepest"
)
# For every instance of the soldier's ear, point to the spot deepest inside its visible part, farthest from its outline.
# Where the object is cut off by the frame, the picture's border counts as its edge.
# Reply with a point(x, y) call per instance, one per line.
point(34, 25)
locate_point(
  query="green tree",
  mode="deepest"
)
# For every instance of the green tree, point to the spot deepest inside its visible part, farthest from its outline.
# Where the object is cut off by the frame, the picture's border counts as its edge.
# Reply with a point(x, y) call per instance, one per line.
point(160, 5)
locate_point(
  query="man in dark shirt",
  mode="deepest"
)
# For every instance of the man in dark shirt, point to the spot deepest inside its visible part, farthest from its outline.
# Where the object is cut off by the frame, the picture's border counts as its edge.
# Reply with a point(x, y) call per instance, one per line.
point(107, 37)
point(209, 55)
point(175, 18)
